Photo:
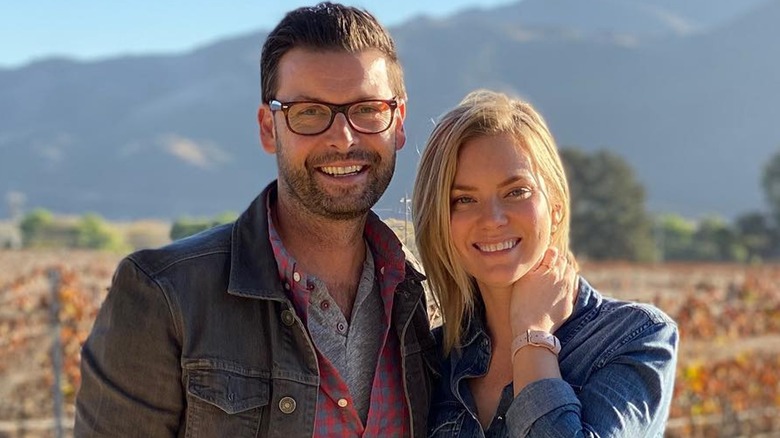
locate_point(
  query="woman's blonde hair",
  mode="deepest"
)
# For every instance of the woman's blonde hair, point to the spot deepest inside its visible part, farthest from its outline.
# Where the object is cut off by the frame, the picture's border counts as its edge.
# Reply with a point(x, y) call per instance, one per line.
point(480, 113)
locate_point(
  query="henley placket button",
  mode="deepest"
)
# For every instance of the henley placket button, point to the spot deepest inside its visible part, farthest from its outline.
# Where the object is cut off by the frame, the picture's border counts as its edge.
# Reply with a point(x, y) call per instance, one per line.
point(288, 318)
point(287, 405)
point(296, 277)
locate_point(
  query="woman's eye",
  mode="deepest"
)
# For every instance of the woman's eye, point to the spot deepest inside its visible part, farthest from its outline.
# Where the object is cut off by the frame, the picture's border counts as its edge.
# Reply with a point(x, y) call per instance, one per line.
point(520, 192)
point(462, 200)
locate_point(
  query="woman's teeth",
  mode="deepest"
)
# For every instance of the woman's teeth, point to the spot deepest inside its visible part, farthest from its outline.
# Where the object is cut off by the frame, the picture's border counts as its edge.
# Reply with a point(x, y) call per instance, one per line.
point(494, 247)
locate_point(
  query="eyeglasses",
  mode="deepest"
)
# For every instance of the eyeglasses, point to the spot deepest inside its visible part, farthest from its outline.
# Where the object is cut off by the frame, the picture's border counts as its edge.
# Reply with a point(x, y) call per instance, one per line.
point(312, 118)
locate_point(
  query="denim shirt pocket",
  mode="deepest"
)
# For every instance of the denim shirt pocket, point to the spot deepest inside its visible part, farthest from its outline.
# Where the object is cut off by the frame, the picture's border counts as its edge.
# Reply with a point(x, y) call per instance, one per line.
point(446, 419)
point(225, 403)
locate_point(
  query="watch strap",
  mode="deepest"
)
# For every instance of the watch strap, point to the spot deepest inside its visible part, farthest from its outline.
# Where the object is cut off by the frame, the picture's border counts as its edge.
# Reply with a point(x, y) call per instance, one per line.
point(536, 338)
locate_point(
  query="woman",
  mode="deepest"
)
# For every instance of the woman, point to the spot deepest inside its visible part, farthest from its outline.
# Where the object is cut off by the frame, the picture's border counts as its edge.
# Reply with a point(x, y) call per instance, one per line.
point(529, 348)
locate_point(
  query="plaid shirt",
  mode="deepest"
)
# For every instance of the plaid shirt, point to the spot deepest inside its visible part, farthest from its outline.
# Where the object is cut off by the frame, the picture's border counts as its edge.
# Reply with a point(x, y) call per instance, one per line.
point(388, 414)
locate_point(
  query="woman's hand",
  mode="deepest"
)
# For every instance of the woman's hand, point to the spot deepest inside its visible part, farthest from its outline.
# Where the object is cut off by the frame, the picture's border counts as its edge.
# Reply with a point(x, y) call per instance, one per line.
point(543, 299)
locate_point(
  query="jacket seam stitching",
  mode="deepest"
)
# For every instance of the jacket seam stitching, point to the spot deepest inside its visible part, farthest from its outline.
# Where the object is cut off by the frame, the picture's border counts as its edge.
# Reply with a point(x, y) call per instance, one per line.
point(609, 354)
point(209, 252)
point(168, 300)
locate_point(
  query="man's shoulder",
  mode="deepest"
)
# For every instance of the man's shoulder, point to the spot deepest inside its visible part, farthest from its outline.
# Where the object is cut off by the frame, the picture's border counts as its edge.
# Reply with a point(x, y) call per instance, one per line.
point(211, 243)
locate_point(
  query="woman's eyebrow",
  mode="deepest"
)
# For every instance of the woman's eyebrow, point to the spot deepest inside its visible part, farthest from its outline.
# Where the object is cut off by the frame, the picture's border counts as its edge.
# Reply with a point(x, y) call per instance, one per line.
point(522, 176)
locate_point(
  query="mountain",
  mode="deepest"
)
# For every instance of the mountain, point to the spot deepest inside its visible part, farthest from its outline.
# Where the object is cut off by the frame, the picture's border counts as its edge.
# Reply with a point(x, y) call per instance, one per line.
point(685, 92)
point(638, 18)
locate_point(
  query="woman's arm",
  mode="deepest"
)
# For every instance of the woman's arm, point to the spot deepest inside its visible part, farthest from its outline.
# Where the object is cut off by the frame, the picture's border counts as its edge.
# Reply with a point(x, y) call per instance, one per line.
point(629, 396)
point(628, 391)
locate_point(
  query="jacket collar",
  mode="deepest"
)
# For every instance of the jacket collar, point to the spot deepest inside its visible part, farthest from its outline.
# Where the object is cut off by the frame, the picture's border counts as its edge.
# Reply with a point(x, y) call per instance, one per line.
point(474, 326)
point(253, 271)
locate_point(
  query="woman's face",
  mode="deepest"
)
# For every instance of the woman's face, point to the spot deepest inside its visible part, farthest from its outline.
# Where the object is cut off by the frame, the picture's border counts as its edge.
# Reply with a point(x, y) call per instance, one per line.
point(500, 217)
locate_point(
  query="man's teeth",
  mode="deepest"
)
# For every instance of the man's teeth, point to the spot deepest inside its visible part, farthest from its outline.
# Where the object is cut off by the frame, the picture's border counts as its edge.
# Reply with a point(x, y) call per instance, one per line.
point(333, 170)
point(493, 247)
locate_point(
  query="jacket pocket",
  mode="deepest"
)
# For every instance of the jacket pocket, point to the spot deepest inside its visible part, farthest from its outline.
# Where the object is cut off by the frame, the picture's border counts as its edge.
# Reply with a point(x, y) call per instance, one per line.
point(224, 403)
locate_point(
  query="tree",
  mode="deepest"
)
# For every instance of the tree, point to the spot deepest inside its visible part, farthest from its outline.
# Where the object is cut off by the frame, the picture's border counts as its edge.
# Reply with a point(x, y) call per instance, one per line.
point(714, 240)
point(608, 220)
point(674, 237)
point(756, 235)
point(185, 227)
point(93, 232)
point(34, 225)
point(771, 183)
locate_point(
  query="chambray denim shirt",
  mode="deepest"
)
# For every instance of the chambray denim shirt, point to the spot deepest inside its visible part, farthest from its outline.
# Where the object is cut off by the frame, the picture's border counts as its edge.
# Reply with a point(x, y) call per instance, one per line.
point(617, 361)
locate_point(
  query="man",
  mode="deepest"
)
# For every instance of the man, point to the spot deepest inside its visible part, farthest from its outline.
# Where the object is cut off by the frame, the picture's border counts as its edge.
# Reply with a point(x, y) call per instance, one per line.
point(303, 318)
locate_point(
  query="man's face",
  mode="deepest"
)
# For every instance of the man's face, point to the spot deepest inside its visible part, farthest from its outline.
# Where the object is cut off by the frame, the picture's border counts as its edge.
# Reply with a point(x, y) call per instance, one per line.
point(340, 173)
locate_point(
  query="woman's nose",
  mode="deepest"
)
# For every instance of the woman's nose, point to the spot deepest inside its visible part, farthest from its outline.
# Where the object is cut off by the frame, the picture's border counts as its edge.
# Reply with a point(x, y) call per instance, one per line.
point(493, 214)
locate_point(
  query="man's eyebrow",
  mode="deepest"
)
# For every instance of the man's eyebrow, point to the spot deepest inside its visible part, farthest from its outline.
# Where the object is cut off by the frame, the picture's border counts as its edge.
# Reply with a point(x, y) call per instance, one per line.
point(303, 98)
point(308, 98)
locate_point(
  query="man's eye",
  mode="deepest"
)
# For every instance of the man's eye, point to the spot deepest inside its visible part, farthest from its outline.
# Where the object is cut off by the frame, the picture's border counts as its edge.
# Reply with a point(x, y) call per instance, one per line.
point(311, 110)
point(366, 109)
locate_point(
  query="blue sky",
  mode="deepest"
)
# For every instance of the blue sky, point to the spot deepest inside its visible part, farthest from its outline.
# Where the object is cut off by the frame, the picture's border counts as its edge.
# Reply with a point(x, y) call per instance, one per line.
point(93, 29)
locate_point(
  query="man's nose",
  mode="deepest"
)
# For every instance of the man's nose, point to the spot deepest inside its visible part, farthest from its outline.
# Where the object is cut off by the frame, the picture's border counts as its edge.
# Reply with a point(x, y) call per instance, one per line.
point(340, 134)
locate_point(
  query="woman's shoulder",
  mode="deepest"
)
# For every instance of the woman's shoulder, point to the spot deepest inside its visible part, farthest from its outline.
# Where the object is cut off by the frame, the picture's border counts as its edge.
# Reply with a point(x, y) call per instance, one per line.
point(611, 320)
point(636, 311)
point(619, 310)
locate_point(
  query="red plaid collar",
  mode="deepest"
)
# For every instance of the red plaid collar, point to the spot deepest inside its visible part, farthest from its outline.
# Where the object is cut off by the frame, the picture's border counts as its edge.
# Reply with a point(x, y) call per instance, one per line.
point(389, 262)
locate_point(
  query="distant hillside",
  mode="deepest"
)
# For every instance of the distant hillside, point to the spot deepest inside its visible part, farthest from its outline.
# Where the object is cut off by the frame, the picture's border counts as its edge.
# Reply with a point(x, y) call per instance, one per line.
point(686, 92)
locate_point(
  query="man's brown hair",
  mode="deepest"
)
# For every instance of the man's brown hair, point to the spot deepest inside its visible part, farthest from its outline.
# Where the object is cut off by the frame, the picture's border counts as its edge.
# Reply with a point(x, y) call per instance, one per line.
point(327, 26)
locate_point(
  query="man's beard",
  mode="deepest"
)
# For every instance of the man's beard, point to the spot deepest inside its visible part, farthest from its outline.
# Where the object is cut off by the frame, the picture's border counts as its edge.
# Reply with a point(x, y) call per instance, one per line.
point(351, 202)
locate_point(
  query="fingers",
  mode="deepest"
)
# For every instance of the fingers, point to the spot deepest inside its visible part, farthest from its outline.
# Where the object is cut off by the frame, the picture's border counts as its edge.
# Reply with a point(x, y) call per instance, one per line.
point(548, 260)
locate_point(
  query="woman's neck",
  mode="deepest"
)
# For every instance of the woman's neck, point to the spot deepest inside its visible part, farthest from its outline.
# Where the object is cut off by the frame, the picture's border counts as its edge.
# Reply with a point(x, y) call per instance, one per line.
point(497, 303)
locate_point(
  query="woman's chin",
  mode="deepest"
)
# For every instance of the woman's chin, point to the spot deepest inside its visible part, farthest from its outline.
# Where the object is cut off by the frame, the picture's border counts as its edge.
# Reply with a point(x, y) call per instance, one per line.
point(498, 280)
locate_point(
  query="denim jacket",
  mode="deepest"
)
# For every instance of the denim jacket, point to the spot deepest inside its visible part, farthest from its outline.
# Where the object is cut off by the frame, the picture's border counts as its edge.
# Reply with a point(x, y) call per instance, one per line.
point(617, 361)
point(199, 339)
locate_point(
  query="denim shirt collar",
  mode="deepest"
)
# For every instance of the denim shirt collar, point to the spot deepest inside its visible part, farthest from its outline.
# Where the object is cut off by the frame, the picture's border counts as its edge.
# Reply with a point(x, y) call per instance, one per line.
point(472, 357)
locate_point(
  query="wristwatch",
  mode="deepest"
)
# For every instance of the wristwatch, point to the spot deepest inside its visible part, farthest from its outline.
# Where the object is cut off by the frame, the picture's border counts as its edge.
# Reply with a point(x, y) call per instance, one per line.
point(537, 338)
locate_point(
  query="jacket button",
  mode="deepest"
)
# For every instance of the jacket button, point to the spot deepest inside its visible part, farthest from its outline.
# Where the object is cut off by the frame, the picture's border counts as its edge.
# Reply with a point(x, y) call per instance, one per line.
point(287, 405)
point(288, 318)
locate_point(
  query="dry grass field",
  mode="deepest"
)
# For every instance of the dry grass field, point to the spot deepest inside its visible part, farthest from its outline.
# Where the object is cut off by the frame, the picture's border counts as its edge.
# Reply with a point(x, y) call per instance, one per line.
point(728, 381)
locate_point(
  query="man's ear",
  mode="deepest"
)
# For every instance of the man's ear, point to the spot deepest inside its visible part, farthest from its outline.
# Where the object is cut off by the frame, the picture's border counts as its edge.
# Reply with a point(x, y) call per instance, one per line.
point(265, 119)
point(400, 131)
